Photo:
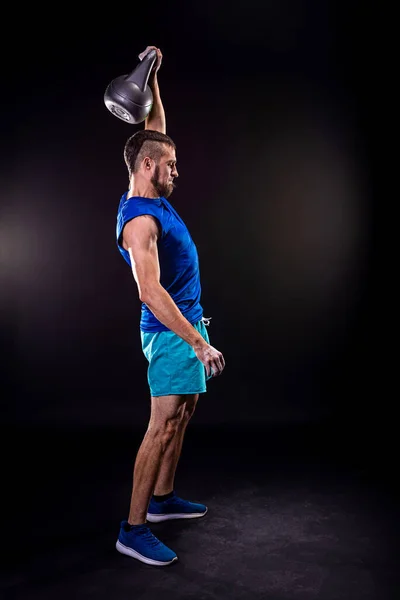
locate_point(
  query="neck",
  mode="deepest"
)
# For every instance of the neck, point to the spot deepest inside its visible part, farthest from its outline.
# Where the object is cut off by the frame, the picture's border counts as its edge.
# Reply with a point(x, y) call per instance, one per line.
point(142, 188)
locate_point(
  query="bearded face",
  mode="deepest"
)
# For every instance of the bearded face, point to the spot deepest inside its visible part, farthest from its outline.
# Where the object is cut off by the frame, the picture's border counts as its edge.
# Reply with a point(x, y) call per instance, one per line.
point(163, 180)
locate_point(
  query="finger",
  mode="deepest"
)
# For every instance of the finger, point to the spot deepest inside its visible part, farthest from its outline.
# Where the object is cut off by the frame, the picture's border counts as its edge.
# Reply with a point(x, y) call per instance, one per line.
point(217, 368)
point(142, 54)
point(220, 365)
point(148, 49)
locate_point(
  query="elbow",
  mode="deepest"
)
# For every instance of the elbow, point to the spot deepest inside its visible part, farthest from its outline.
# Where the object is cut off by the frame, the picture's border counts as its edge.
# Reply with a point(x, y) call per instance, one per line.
point(147, 293)
point(156, 124)
point(143, 296)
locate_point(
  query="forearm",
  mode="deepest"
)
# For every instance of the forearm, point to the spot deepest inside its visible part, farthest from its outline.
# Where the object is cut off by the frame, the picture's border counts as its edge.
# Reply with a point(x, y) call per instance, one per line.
point(166, 311)
point(156, 118)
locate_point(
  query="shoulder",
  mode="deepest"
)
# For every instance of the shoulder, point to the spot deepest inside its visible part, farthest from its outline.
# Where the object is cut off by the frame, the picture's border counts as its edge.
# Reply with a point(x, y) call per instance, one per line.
point(140, 217)
point(144, 223)
point(141, 230)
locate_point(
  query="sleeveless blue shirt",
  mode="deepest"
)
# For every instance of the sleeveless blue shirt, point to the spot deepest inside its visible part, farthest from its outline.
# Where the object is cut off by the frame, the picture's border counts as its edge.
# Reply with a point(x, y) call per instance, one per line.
point(177, 253)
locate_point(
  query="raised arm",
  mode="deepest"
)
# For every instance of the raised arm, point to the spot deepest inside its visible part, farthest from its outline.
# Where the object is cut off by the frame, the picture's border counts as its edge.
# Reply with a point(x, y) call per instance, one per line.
point(156, 118)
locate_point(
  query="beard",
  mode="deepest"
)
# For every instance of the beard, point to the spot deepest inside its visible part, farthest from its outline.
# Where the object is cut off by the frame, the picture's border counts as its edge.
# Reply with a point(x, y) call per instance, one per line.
point(162, 189)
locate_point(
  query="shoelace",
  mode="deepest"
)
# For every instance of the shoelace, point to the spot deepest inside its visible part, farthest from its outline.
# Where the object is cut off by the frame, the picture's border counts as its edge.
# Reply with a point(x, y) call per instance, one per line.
point(149, 538)
point(177, 500)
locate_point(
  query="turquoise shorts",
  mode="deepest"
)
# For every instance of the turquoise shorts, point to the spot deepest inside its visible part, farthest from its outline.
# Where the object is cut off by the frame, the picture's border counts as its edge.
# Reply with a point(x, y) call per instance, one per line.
point(173, 365)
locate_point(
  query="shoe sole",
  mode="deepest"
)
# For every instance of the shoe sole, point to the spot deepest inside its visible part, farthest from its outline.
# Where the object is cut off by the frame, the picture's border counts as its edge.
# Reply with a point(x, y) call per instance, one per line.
point(158, 518)
point(133, 554)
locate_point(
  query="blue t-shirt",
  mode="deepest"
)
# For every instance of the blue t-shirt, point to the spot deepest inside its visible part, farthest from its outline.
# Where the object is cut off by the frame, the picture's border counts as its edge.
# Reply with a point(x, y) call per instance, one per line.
point(177, 253)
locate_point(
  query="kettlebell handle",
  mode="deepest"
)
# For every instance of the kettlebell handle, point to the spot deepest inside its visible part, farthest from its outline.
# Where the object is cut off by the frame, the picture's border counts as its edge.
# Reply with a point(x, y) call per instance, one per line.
point(140, 74)
point(150, 55)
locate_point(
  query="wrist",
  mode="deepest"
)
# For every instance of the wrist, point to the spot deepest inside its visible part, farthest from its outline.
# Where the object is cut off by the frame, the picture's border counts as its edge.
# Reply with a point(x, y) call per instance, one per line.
point(153, 79)
point(199, 344)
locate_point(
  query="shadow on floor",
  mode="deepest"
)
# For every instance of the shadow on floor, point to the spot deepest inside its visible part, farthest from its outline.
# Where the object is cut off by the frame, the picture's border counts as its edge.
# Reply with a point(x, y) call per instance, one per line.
point(296, 512)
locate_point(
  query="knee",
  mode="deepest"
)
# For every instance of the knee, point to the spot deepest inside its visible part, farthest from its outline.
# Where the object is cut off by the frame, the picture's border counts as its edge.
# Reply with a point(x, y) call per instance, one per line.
point(165, 431)
point(188, 411)
point(169, 431)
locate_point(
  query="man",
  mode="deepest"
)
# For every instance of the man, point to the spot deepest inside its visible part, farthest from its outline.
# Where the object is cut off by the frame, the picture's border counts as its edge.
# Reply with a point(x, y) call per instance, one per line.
point(156, 244)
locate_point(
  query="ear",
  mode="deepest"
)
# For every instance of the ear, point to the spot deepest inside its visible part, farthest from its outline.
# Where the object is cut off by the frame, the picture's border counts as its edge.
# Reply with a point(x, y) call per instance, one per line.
point(147, 163)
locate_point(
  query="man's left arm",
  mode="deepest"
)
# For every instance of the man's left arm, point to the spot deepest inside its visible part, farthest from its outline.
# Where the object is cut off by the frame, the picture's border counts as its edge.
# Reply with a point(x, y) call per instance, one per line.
point(156, 117)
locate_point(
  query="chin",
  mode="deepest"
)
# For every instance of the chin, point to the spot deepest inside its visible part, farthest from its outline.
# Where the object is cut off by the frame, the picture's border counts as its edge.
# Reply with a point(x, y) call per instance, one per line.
point(168, 191)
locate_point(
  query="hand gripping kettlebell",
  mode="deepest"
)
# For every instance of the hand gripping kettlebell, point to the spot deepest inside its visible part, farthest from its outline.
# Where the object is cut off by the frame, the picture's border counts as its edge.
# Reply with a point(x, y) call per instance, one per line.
point(128, 97)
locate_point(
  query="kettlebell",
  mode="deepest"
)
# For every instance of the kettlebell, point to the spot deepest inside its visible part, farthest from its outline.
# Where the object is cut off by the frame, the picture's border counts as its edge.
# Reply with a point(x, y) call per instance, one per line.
point(128, 97)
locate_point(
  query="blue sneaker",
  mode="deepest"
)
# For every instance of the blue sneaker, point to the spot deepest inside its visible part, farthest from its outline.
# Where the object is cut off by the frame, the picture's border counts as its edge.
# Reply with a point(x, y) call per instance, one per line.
point(174, 508)
point(140, 543)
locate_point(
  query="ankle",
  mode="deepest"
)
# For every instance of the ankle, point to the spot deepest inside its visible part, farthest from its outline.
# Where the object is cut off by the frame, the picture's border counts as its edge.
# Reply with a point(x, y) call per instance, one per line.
point(163, 497)
point(136, 525)
point(136, 522)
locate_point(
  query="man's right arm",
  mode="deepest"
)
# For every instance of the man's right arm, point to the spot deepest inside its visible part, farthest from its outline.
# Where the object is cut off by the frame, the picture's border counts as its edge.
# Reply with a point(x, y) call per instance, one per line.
point(140, 236)
point(140, 239)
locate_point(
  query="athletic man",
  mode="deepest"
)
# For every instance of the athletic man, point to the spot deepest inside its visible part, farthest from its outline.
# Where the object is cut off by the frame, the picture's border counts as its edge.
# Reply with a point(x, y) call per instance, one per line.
point(156, 244)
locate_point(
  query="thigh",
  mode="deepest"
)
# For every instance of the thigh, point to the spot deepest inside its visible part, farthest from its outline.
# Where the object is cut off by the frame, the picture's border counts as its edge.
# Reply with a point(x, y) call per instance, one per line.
point(190, 403)
point(166, 408)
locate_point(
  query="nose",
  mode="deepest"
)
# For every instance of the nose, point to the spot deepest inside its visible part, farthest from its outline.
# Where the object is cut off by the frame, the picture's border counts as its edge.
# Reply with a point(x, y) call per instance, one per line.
point(174, 173)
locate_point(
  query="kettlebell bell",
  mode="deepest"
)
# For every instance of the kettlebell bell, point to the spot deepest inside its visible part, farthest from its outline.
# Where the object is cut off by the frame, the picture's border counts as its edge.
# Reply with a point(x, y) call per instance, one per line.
point(128, 97)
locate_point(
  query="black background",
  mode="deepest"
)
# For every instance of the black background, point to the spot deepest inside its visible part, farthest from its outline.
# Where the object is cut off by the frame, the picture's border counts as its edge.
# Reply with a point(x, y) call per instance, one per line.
point(270, 109)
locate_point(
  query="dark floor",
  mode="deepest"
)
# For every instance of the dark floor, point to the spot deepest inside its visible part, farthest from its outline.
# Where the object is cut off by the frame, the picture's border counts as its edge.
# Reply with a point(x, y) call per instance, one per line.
point(296, 512)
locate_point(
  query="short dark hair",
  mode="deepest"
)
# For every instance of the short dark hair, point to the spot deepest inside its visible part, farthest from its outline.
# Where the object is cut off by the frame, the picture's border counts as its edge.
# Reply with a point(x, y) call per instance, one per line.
point(145, 142)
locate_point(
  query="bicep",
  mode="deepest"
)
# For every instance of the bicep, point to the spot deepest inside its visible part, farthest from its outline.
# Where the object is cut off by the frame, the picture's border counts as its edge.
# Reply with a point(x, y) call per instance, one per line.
point(140, 238)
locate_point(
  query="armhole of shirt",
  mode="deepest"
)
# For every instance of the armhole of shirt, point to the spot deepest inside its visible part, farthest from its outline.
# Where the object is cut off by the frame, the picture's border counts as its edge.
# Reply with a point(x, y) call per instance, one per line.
point(157, 220)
